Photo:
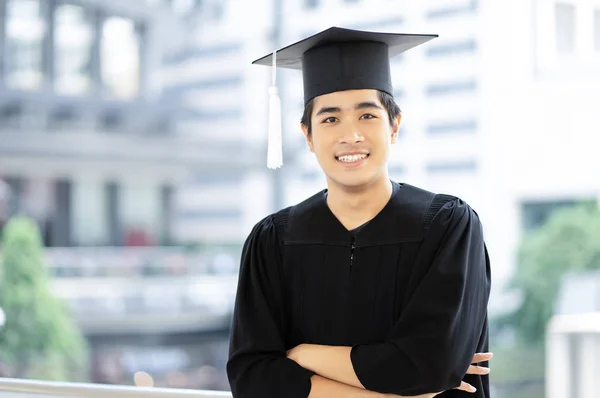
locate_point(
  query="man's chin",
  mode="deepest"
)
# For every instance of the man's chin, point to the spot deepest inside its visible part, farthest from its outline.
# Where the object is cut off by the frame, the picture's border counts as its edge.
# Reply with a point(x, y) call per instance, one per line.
point(352, 182)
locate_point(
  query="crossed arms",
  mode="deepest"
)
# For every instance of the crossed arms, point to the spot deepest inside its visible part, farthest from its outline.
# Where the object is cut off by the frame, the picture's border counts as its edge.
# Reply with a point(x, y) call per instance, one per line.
point(335, 375)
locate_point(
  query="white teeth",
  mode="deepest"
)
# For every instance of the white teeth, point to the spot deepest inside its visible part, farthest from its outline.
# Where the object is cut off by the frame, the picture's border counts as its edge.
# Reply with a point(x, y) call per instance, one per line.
point(351, 158)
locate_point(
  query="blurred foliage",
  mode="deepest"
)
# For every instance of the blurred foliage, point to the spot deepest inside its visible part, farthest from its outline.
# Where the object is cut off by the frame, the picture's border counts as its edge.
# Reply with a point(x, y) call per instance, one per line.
point(39, 339)
point(568, 242)
point(517, 362)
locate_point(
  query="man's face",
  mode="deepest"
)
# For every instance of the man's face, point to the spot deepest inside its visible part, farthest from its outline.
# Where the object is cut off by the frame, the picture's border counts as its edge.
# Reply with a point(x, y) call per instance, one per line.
point(351, 135)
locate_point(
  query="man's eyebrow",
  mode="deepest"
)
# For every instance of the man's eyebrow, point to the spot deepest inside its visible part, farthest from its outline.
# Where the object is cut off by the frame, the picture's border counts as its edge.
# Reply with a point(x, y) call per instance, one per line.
point(361, 105)
point(368, 104)
point(328, 109)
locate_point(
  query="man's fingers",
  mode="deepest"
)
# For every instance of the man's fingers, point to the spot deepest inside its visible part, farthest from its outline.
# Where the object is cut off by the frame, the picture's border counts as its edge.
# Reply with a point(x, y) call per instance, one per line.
point(477, 370)
point(466, 387)
point(482, 357)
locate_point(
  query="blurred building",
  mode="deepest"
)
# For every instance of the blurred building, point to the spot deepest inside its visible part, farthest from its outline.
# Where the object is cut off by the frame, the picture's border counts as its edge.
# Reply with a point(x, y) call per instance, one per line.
point(89, 148)
point(87, 141)
point(223, 101)
point(539, 117)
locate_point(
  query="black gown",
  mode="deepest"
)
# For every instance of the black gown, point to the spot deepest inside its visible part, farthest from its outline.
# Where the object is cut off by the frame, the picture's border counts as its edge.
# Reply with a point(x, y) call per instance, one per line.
point(408, 292)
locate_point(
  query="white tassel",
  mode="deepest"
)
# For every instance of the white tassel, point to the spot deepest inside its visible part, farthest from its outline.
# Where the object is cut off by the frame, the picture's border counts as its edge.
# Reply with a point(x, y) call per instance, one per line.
point(274, 148)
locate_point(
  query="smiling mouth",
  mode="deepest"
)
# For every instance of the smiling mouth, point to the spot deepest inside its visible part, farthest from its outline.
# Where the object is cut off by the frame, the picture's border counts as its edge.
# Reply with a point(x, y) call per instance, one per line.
point(352, 158)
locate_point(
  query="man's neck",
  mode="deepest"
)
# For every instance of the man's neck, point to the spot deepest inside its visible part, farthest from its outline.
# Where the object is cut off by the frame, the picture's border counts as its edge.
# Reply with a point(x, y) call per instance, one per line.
point(353, 207)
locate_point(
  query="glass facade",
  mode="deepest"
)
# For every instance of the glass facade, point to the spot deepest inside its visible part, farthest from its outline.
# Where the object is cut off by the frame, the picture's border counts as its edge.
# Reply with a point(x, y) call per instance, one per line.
point(565, 28)
point(120, 50)
point(73, 46)
point(69, 47)
point(25, 31)
point(597, 30)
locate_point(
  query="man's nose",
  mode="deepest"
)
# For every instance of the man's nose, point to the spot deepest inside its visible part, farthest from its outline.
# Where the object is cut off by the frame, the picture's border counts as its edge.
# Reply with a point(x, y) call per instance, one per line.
point(351, 136)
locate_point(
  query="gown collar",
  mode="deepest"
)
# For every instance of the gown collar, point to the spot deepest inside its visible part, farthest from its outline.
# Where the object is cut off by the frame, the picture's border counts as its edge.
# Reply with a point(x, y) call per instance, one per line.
point(400, 220)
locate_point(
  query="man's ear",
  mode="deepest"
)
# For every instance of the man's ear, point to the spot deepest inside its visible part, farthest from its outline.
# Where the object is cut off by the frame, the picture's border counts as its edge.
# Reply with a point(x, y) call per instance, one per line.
point(396, 128)
point(307, 137)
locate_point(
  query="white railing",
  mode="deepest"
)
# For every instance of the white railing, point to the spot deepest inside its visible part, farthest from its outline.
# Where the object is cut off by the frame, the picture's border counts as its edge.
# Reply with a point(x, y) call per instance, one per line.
point(38, 388)
point(572, 352)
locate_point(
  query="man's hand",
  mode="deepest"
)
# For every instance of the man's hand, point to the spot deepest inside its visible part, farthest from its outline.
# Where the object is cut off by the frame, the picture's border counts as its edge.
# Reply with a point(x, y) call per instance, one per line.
point(307, 356)
point(473, 370)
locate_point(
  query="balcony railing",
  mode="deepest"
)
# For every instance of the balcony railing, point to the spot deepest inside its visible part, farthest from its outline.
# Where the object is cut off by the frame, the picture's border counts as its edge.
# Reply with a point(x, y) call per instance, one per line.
point(18, 388)
point(152, 289)
point(572, 351)
point(102, 262)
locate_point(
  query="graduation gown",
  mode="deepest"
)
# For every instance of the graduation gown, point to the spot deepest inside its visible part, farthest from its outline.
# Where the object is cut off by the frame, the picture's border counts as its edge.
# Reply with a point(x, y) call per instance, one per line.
point(408, 292)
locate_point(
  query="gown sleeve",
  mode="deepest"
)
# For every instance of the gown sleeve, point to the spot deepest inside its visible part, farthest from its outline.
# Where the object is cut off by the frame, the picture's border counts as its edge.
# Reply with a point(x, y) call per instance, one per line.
point(257, 364)
point(433, 343)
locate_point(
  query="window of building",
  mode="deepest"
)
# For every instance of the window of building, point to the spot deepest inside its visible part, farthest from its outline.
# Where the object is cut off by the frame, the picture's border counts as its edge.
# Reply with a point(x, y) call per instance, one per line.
point(218, 10)
point(451, 88)
point(390, 23)
point(161, 125)
point(468, 46)
point(25, 32)
point(120, 57)
point(11, 197)
point(63, 118)
point(397, 172)
point(399, 94)
point(90, 222)
point(565, 28)
point(208, 10)
point(597, 31)
point(11, 115)
point(449, 11)
point(74, 36)
point(466, 166)
point(534, 214)
point(458, 126)
point(311, 3)
point(183, 7)
point(140, 210)
point(111, 120)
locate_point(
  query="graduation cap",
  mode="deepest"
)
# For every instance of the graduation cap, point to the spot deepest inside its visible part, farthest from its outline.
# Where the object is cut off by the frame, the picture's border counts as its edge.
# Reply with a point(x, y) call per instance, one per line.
point(335, 59)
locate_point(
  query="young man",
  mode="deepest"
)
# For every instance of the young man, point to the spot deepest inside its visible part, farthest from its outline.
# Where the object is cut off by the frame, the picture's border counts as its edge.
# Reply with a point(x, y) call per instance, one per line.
point(370, 287)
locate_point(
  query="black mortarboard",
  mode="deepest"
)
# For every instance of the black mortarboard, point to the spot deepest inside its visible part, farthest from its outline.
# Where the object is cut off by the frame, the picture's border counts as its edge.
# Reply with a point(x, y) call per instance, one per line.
point(333, 60)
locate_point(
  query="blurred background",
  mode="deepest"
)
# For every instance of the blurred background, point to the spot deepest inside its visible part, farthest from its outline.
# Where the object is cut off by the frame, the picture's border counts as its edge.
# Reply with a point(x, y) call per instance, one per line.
point(133, 166)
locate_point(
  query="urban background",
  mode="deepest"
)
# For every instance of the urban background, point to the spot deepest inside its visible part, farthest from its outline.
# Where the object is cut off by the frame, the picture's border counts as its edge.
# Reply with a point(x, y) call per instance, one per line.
point(133, 166)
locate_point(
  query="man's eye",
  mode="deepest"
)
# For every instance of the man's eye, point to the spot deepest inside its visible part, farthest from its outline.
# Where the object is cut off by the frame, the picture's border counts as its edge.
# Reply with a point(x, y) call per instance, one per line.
point(367, 116)
point(330, 120)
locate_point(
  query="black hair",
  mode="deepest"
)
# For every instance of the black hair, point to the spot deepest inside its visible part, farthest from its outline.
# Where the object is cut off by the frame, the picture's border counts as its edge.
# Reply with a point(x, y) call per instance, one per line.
point(388, 102)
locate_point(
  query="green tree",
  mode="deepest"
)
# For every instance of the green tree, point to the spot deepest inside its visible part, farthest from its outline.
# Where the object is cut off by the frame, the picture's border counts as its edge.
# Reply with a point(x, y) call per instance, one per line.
point(39, 339)
point(568, 242)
